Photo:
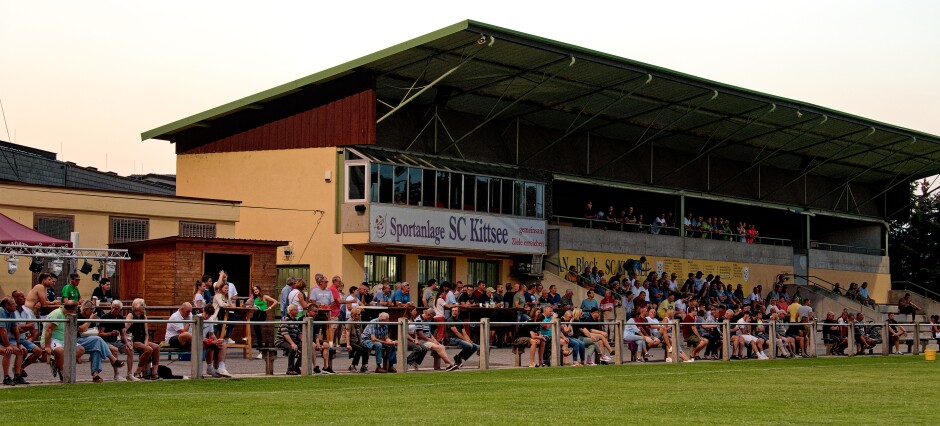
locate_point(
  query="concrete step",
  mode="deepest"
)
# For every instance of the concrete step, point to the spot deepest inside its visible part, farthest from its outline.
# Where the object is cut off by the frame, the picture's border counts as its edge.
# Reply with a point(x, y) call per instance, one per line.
point(885, 309)
point(907, 318)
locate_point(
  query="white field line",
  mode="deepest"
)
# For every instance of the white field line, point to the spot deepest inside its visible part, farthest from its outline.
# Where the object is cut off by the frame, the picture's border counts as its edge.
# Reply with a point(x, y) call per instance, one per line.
point(374, 387)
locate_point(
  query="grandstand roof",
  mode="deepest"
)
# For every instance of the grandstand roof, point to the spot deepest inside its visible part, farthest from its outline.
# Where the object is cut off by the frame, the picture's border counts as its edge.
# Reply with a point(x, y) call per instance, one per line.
point(480, 69)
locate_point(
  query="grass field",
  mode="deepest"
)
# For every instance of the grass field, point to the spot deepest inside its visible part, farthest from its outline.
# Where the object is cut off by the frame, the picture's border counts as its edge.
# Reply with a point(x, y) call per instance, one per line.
point(877, 390)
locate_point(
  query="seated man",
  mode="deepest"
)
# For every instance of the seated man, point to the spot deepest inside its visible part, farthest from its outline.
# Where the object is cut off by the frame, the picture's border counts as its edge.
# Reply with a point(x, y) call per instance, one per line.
point(458, 336)
point(426, 338)
point(53, 336)
point(322, 344)
point(692, 332)
point(214, 347)
point(895, 334)
point(177, 333)
point(114, 335)
point(402, 296)
point(375, 337)
point(28, 330)
point(94, 345)
point(832, 335)
point(288, 339)
point(905, 306)
point(9, 348)
point(742, 331)
point(862, 341)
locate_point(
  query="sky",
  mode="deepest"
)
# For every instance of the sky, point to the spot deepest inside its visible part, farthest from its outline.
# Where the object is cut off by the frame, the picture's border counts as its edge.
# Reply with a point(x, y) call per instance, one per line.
point(85, 79)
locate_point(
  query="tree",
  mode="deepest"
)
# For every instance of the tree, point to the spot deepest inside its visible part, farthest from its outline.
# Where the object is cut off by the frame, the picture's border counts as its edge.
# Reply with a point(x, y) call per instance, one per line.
point(914, 240)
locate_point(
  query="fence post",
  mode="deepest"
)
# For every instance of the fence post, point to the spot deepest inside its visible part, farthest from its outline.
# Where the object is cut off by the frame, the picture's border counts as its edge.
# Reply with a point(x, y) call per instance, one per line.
point(772, 335)
point(618, 329)
point(484, 343)
point(812, 339)
point(195, 349)
point(851, 338)
point(676, 341)
point(69, 351)
point(557, 355)
point(306, 347)
point(916, 338)
point(725, 334)
point(885, 340)
point(402, 347)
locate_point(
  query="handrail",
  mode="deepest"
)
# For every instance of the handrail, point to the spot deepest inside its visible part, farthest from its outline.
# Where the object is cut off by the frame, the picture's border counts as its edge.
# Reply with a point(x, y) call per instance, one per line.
point(664, 230)
point(846, 248)
point(830, 290)
point(908, 284)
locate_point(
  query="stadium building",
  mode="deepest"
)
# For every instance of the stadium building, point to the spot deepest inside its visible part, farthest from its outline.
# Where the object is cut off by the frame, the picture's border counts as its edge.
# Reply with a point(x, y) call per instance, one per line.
point(470, 154)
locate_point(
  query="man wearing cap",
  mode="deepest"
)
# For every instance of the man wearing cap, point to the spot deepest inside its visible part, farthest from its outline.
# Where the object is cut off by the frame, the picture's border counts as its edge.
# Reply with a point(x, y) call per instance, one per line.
point(487, 297)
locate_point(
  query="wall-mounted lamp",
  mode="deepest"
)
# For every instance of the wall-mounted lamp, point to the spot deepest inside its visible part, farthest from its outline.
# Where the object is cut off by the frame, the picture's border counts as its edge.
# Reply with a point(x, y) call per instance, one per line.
point(328, 176)
point(360, 208)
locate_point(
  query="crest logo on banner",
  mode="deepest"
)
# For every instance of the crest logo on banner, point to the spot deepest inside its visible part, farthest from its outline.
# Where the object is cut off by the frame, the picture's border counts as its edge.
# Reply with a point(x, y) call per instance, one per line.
point(379, 224)
point(745, 271)
point(659, 268)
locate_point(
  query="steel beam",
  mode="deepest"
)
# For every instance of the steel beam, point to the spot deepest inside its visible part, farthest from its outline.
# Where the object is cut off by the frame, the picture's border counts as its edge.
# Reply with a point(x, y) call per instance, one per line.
point(643, 142)
point(498, 113)
point(757, 163)
point(813, 168)
point(715, 146)
point(857, 175)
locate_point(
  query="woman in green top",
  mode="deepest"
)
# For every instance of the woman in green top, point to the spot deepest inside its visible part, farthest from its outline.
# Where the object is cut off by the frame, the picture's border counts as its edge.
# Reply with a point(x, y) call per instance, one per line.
point(263, 303)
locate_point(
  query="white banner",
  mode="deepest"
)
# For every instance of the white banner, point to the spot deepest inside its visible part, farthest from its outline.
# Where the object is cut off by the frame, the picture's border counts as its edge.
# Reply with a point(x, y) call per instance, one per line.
point(454, 229)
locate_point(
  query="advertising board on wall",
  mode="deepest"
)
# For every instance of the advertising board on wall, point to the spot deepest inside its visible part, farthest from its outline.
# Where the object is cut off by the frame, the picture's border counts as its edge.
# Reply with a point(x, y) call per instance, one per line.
point(455, 230)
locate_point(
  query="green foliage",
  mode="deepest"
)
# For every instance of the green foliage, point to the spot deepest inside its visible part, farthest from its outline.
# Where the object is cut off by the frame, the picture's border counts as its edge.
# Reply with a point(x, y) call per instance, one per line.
point(914, 242)
point(861, 390)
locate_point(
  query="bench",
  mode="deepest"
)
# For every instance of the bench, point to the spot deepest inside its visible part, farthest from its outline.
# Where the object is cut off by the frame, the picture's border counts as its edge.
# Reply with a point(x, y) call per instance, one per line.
point(268, 355)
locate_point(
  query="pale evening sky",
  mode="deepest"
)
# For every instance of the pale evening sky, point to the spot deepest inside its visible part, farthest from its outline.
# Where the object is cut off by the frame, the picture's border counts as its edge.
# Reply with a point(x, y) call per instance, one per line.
point(84, 79)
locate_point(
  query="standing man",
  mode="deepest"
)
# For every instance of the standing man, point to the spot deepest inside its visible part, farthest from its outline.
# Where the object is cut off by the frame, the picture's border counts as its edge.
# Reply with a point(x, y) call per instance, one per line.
point(430, 292)
point(38, 298)
point(70, 291)
point(285, 294)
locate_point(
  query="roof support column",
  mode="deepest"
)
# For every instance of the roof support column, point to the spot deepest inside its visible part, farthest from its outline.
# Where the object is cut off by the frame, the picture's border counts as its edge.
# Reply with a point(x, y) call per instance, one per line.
point(679, 223)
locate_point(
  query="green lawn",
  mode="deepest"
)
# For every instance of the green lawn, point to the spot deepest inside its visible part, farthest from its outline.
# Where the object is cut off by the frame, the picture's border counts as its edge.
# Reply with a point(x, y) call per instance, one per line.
point(880, 390)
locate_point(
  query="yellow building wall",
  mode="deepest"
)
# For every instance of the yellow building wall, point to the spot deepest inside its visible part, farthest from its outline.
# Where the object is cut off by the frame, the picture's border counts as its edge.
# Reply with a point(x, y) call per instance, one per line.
point(747, 274)
point(284, 196)
point(91, 212)
point(879, 285)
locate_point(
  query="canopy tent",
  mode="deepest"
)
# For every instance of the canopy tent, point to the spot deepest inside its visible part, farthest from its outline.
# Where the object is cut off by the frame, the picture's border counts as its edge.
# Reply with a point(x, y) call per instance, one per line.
point(12, 232)
point(17, 239)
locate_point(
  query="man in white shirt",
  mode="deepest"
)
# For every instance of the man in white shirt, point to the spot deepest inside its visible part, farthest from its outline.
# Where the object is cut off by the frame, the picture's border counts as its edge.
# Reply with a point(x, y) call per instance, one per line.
point(352, 301)
point(177, 333)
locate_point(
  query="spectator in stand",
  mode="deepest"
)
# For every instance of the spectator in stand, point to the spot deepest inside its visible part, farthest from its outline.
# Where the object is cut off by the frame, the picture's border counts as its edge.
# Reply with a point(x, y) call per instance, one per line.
point(832, 335)
point(53, 337)
point(589, 304)
point(572, 340)
point(353, 338)
point(199, 298)
point(288, 339)
point(693, 333)
point(114, 335)
point(94, 345)
point(582, 332)
point(262, 303)
point(895, 334)
point(102, 293)
point(905, 306)
point(28, 330)
point(149, 352)
point(498, 294)
point(426, 339)
point(592, 322)
point(837, 289)
point(458, 336)
point(862, 341)
point(530, 335)
point(429, 294)
point(488, 297)
point(633, 333)
point(284, 298)
point(797, 331)
point(178, 334)
point(402, 296)
point(806, 310)
point(785, 344)
point(572, 275)
point(9, 348)
point(553, 298)
point(658, 223)
point(794, 310)
point(384, 296)
point(751, 234)
point(744, 338)
point(567, 301)
point(70, 291)
point(852, 292)
point(935, 327)
point(220, 302)
point(589, 214)
point(297, 298)
point(375, 338)
point(611, 215)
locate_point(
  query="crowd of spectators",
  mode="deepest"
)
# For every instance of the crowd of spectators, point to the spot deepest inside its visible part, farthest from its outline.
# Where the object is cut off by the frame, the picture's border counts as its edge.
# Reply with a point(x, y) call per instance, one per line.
point(716, 228)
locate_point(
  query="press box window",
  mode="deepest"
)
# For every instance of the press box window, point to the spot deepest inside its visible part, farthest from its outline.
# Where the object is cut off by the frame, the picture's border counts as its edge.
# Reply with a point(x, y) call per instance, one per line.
point(355, 182)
